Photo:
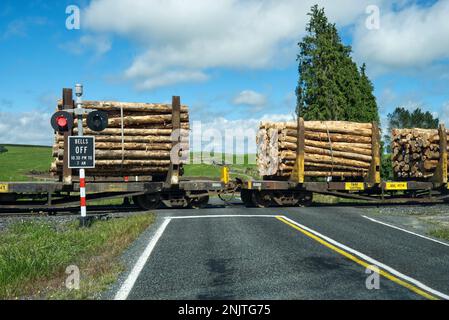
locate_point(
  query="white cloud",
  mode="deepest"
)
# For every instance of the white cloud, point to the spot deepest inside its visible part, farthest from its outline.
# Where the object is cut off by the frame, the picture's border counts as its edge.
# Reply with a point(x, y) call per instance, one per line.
point(181, 40)
point(101, 45)
point(20, 27)
point(26, 128)
point(222, 130)
point(171, 77)
point(414, 36)
point(444, 114)
point(250, 98)
point(98, 44)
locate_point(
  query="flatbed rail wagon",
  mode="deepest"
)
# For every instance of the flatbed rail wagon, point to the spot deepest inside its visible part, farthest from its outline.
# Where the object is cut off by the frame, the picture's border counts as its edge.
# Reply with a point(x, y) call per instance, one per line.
point(171, 190)
point(298, 190)
point(174, 191)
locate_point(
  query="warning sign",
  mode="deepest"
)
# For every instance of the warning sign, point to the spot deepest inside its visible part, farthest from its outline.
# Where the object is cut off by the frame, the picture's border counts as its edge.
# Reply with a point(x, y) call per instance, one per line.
point(81, 152)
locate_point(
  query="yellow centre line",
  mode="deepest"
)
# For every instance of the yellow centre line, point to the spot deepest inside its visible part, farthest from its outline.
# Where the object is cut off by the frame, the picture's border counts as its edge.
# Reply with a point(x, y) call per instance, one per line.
point(385, 274)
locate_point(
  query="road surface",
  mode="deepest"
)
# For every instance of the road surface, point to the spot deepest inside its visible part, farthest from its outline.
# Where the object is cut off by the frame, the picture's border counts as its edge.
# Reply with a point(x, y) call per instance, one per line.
point(284, 253)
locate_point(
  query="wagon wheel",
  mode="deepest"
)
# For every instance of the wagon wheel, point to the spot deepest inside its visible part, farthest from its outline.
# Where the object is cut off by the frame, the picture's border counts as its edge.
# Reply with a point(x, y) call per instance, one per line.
point(261, 199)
point(147, 201)
point(176, 201)
point(305, 199)
point(199, 203)
point(245, 195)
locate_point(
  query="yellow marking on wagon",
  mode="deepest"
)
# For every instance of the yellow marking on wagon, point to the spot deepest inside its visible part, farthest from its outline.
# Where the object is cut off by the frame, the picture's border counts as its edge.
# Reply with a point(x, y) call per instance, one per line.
point(4, 188)
point(396, 186)
point(354, 186)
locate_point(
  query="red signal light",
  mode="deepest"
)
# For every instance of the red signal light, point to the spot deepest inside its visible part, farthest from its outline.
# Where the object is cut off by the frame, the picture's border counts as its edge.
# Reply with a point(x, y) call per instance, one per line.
point(61, 121)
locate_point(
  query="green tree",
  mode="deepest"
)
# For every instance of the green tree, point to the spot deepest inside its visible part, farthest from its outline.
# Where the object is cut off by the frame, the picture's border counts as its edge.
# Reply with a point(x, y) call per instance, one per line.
point(402, 118)
point(330, 86)
point(370, 110)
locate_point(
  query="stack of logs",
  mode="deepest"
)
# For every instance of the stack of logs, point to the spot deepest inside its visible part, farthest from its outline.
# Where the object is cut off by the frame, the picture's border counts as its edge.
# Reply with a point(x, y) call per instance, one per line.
point(141, 149)
point(332, 149)
point(415, 152)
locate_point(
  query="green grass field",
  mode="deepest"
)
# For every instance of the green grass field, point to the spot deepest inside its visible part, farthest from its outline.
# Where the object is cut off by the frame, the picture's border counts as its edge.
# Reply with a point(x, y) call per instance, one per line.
point(24, 163)
point(21, 161)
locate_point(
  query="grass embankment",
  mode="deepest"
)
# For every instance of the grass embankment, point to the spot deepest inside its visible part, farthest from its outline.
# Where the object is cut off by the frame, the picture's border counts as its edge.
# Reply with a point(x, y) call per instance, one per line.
point(442, 233)
point(35, 255)
point(20, 161)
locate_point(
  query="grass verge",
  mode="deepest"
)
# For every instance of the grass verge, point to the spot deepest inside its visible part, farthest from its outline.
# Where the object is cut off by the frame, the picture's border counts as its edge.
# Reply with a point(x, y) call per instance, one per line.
point(34, 256)
point(441, 233)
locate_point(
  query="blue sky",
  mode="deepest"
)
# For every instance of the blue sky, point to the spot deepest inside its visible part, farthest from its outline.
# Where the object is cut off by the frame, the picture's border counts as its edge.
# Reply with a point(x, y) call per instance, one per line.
point(231, 61)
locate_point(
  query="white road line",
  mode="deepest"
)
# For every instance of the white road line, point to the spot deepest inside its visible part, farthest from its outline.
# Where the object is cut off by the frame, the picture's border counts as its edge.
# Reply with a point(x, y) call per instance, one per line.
point(225, 216)
point(127, 286)
point(371, 260)
point(411, 232)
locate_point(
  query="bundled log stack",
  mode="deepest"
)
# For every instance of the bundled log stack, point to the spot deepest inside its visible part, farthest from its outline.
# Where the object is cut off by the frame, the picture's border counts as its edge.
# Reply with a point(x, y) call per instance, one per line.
point(415, 152)
point(331, 149)
point(137, 144)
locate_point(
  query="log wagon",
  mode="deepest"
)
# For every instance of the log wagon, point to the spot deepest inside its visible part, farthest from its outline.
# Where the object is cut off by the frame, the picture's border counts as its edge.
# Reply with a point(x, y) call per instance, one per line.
point(132, 161)
point(343, 159)
point(295, 160)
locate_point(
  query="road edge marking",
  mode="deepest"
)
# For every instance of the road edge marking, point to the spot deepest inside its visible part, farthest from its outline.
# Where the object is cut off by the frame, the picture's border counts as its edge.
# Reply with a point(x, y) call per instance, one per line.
point(127, 286)
point(390, 273)
point(404, 230)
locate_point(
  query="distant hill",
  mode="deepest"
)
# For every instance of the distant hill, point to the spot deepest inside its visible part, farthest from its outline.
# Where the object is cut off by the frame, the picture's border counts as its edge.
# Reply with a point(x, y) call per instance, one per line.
point(26, 162)
point(23, 145)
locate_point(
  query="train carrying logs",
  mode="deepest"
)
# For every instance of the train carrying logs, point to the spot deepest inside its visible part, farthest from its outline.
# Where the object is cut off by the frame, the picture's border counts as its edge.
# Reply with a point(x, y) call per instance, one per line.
point(331, 149)
point(415, 152)
point(137, 141)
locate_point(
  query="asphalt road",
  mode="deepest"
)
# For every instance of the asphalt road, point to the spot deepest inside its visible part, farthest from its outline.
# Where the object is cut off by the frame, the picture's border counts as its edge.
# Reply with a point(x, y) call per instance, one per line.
point(252, 254)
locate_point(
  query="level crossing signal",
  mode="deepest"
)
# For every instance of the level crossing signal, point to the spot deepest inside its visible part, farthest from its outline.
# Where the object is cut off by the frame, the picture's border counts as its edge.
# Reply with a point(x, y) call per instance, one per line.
point(62, 121)
point(97, 120)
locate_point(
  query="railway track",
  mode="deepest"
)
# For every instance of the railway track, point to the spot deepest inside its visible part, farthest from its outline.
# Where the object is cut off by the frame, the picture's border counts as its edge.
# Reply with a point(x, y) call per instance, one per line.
point(102, 210)
point(96, 210)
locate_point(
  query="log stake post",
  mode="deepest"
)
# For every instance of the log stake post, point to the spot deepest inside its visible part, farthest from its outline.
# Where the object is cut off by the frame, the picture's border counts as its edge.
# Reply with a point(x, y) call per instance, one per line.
point(173, 172)
point(374, 170)
point(440, 176)
point(298, 171)
point(67, 103)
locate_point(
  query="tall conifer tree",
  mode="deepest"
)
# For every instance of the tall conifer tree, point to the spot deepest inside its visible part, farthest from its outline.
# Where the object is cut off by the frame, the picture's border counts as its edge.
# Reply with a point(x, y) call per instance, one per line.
point(371, 112)
point(330, 86)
